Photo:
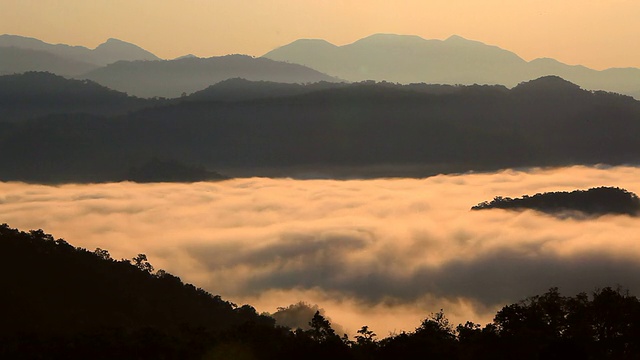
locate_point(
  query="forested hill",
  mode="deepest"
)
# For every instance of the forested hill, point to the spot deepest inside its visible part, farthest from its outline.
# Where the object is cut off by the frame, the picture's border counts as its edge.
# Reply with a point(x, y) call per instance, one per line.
point(426, 128)
point(594, 202)
point(62, 302)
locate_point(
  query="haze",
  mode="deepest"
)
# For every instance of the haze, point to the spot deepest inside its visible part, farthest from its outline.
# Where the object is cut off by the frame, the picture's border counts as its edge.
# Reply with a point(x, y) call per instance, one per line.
point(383, 252)
point(595, 33)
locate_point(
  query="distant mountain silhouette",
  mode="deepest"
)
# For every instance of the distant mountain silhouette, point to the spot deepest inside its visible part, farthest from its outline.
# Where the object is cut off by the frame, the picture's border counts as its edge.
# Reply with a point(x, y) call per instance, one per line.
point(350, 130)
point(410, 59)
point(111, 51)
point(15, 60)
point(595, 202)
point(172, 78)
point(33, 94)
point(188, 56)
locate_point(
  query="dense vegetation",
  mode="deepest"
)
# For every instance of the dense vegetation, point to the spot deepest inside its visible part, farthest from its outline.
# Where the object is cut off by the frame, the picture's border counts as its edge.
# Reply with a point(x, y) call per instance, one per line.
point(595, 201)
point(427, 128)
point(62, 302)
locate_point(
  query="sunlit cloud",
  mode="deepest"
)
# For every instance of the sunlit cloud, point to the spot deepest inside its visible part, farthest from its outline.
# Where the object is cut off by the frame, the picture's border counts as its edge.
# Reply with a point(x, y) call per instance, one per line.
point(383, 252)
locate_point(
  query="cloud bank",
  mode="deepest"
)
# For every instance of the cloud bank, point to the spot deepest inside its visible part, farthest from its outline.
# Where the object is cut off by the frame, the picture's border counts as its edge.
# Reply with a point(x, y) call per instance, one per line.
point(384, 253)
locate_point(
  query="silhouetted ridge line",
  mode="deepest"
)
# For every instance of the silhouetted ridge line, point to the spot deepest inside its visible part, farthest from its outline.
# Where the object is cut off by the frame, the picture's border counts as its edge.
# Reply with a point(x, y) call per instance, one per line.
point(108, 52)
point(61, 300)
point(594, 201)
point(410, 59)
point(173, 78)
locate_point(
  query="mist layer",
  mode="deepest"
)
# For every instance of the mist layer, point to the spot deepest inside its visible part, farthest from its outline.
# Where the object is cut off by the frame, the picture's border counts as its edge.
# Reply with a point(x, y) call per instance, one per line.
point(384, 253)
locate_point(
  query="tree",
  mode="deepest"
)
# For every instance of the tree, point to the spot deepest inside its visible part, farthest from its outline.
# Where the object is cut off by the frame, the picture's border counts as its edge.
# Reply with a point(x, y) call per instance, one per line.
point(102, 254)
point(438, 326)
point(321, 330)
point(365, 336)
point(142, 263)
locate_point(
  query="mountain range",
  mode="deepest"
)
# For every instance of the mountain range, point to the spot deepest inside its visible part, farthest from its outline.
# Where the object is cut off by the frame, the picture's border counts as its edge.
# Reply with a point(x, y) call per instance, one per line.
point(172, 78)
point(365, 129)
point(106, 53)
point(412, 59)
point(382, 57)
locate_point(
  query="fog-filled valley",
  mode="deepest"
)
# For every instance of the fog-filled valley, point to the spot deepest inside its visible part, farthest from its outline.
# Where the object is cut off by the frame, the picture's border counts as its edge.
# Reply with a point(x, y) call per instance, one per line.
point(394, 197)
point(383, 253)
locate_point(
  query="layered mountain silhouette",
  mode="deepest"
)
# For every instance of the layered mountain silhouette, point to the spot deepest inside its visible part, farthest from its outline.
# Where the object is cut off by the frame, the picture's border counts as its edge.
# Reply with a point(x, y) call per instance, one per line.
point(65, 59)
point(18, 60)
point(172, 78)
point(381, 57)
point(409, 59)
point(351, 130)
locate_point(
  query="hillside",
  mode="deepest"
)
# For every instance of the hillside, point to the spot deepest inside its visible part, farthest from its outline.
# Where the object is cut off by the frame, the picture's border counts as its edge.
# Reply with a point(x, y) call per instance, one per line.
point(173, 78)
point(62, 302)
point(72, 303)
point(410, 59)
point(34, 94)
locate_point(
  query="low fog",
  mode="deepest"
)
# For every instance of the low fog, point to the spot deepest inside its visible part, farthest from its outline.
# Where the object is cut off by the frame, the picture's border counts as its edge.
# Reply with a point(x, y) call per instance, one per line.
point(384, 253)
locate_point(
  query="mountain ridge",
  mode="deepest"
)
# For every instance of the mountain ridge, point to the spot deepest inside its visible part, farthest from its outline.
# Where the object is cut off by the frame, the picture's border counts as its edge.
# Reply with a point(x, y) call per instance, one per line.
point(359, 130)
point(455, 60)
point(173, 78)
point(109, 51)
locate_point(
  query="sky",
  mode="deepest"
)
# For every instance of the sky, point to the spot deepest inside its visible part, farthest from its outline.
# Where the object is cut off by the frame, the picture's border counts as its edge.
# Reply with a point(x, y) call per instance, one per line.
point(595, 33)
point(383, 253)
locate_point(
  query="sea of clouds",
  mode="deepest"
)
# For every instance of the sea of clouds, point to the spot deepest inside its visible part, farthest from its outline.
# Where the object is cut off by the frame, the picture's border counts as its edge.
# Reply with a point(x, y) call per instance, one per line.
point(384, 253)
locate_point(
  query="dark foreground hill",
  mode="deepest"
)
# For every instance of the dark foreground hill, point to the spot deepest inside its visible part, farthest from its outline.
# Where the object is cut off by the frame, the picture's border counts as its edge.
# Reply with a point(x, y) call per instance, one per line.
point(62, 302)
point(360, 130)
point(59, 301)
point(592, 202)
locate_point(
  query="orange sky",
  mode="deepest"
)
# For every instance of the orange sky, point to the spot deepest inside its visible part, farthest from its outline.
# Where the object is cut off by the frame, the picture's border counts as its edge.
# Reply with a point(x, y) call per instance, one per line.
point(596, 33)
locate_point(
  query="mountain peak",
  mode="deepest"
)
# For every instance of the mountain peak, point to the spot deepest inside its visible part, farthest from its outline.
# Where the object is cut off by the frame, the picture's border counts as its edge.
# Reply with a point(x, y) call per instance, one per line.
point(314, 43)
point(115, 41)
point(454, 38)
point(114, 50)
point(387, 38)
